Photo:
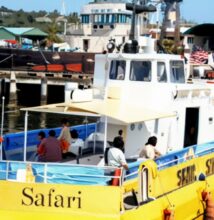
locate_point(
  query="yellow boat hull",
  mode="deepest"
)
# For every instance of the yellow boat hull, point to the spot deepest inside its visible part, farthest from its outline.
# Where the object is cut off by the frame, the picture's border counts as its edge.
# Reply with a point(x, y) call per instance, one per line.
point(176, 189)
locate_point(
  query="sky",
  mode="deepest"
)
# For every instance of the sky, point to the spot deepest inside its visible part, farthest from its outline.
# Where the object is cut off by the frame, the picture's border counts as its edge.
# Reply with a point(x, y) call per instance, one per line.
point(192, 10)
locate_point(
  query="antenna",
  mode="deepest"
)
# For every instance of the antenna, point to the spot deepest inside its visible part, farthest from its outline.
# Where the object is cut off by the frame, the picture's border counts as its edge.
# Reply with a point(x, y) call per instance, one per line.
point(63, 8)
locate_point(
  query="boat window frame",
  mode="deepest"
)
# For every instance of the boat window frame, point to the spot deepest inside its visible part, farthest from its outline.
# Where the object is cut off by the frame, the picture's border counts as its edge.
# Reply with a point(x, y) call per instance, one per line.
point(162, 78)
point(119, 71)
point(142, 77)
point(176, 77)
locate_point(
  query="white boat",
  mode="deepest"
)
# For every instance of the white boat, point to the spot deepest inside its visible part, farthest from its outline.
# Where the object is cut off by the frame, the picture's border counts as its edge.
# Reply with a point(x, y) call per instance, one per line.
point(143, 94)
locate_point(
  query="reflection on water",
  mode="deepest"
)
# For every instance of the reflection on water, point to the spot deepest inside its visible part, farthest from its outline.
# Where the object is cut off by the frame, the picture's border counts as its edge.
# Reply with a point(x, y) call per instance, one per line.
point(14, 120)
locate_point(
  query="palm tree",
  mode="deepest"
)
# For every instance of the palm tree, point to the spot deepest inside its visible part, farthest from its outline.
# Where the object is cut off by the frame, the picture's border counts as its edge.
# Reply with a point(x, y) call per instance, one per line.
point(52, 34)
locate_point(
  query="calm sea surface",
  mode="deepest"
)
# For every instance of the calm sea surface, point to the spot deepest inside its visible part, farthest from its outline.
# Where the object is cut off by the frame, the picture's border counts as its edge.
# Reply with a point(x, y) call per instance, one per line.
point(14, 120)
point(29, 95)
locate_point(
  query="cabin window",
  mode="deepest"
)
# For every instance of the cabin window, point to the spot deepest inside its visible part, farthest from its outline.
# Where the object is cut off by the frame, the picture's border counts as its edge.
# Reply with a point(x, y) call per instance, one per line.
point(177, 72)
point(140, 71)
point(117, 70)
point(161, 72)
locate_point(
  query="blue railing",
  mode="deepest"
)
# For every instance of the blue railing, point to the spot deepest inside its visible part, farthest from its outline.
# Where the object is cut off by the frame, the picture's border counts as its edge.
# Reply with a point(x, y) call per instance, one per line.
point(58, 173)
point(15, 142)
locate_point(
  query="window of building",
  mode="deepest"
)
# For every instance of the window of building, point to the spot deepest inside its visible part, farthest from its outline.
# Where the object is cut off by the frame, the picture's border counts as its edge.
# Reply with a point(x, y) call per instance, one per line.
point(117, 70)
point(140, 71)
point(85, 19)
point(190, 40)
point(85, 45)
point(107, 18)
point(161, 72)
point(177, 72)
point(96, 18)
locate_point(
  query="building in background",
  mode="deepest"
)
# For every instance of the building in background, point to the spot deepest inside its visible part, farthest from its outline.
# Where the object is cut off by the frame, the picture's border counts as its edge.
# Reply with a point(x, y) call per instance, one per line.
point(21, 36)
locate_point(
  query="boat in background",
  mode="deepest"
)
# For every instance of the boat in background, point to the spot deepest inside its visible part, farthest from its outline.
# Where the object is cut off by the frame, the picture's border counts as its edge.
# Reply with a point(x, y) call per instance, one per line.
point(20, 59)
point(71, 67)
point(74, 67)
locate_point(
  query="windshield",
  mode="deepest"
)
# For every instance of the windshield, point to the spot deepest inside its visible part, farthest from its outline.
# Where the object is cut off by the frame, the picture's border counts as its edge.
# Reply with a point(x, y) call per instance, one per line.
point(117, 70)
point(177, 72)
point(140, 71)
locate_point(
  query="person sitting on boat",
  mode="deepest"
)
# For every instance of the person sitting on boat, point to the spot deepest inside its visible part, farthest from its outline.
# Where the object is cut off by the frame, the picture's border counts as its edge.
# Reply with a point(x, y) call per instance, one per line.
point(76, 143)
point(114, 155)
point(65, 136)
point(149, 150)
point(51, 149)
point(40, 149)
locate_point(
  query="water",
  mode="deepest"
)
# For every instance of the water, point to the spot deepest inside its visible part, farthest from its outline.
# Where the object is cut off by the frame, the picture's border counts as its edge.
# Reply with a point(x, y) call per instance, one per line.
point(29, 95)
point(14, 120)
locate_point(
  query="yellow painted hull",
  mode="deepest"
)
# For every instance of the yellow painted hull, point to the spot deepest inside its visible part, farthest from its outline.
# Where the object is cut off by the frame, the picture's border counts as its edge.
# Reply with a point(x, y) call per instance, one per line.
point(175, 187)
point(187, 202)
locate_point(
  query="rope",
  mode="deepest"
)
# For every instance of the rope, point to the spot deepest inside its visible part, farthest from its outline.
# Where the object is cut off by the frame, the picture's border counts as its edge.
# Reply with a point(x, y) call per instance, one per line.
point(164, 191)
point(6, 58)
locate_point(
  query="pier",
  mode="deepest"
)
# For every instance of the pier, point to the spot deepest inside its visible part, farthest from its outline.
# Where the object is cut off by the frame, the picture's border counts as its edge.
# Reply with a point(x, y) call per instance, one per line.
point(12, 79)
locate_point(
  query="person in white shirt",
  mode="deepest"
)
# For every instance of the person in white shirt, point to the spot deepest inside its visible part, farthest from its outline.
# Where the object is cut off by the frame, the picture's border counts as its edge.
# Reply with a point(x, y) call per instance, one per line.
point(75, 143)
point(115, 155)
point(149, 150)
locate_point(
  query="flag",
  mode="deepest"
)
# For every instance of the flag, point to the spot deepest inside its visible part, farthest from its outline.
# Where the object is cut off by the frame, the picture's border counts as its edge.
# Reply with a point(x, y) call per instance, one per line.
point(198, 56)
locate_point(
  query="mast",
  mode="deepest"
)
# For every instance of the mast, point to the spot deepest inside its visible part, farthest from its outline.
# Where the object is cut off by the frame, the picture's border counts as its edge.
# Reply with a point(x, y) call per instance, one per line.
point(137, 9)
point(169, 5)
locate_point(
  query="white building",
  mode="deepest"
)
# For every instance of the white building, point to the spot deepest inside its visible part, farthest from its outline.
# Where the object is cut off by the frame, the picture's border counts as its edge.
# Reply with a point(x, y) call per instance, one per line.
point(101, 20)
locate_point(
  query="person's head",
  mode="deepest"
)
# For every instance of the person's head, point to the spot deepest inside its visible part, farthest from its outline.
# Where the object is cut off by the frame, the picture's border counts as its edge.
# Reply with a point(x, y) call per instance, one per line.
point(64, 122)
point(152, 141)
point(192, 130)
point(41, 135)
point(74, 134)
point(120, 132)
point(118, 143)
point(52, 133)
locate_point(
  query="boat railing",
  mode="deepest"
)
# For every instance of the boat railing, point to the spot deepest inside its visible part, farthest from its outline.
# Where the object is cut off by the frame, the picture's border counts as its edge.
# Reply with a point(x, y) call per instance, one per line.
point(184, 155)
point(13, 143)
point(60, 173)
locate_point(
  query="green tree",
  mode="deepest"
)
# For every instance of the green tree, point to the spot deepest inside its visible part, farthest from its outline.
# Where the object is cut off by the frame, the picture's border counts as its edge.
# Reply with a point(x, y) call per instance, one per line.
point(52, 34)
point(30, 18)
point(73, 18)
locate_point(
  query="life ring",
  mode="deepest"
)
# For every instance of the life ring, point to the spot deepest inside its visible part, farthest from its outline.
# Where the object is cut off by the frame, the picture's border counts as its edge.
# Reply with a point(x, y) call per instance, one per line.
point(209, 210)
point(116, 179)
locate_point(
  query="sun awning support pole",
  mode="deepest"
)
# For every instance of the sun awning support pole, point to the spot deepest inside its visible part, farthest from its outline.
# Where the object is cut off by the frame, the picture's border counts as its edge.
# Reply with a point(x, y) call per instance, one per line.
point(25, 135)
point(105, 134)
point(2, 126)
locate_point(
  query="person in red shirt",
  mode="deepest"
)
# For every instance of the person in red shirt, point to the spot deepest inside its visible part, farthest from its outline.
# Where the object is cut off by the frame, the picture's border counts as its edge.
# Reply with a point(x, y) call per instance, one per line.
point(40, 148)
point(50, 148)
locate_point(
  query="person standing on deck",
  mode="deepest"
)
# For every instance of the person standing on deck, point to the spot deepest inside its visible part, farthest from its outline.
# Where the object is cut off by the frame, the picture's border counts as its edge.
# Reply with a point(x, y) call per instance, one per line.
point(51, 149)
point(120, 135)
point(115, 156)
point(149, 150)
point(65, 136)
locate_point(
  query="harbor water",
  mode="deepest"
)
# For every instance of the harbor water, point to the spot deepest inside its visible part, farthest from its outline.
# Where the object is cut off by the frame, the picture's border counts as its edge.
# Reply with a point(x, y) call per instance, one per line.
point(27, 96)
